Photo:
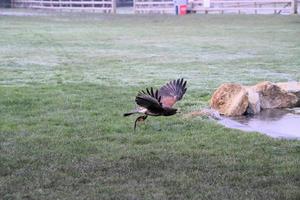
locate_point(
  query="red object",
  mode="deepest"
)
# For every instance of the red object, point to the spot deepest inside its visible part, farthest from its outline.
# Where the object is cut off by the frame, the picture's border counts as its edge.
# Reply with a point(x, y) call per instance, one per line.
point(182, 9)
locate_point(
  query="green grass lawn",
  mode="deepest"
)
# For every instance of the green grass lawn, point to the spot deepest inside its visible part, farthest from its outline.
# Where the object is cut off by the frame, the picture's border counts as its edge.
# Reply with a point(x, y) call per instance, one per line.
point(66, 80)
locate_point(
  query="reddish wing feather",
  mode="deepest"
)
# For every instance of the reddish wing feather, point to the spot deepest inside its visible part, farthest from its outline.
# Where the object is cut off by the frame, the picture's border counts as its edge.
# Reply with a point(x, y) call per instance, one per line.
point(168, 101)
point(172, 92)
point(168, 94)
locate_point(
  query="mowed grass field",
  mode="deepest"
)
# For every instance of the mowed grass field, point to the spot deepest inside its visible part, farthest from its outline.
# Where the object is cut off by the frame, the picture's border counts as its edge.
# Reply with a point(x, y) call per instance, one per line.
point(66, 79)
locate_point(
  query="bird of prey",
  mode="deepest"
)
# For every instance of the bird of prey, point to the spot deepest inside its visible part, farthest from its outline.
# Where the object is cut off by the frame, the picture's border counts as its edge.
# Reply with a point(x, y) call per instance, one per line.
point(158, 102)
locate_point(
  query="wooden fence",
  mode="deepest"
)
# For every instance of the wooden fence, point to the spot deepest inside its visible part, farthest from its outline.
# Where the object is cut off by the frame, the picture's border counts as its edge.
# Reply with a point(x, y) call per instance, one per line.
point(244, 6)
point(5, 3)
point(105, 6)
point(154, 6)
point(124, 3)
point(167, 6)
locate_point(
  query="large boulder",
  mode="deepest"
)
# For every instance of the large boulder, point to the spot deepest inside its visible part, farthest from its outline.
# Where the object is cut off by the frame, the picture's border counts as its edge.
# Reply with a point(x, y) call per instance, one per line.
point(272, 96)
point(254, 102)
point(292, 87)
point(230, 99)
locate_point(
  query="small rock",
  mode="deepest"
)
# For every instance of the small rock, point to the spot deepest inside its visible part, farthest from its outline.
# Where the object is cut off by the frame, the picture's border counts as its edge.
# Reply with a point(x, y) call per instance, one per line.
point(294, 110)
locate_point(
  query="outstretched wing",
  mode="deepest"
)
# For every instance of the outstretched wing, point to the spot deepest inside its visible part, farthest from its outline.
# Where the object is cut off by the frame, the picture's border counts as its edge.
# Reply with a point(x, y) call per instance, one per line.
point(149, 100)
point(172, 92)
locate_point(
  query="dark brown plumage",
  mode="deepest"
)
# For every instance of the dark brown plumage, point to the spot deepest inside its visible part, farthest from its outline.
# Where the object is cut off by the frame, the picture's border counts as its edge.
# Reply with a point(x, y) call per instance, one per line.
point(159, 102)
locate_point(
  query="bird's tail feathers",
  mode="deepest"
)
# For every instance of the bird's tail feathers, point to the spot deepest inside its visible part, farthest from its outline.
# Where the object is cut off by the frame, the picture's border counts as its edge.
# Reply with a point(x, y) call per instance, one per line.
point(130, 113)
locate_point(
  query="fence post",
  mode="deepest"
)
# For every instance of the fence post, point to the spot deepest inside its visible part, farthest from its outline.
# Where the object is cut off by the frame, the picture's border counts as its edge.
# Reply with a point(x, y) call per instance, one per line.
point(114, 5)
point(294, 6)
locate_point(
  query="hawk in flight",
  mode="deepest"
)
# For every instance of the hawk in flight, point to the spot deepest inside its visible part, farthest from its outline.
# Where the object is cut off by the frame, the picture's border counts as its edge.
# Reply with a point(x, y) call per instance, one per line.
point(159, 102)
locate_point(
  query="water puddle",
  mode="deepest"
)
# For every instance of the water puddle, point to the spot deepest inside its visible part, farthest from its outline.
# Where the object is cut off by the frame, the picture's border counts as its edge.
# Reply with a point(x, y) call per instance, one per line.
point(276, 123)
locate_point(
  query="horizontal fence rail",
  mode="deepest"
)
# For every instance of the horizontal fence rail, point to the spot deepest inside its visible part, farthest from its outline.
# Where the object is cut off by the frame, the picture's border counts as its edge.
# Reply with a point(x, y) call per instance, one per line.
point(154, 6)
point(105, 6)
point(165, 6)
point(244, 6)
